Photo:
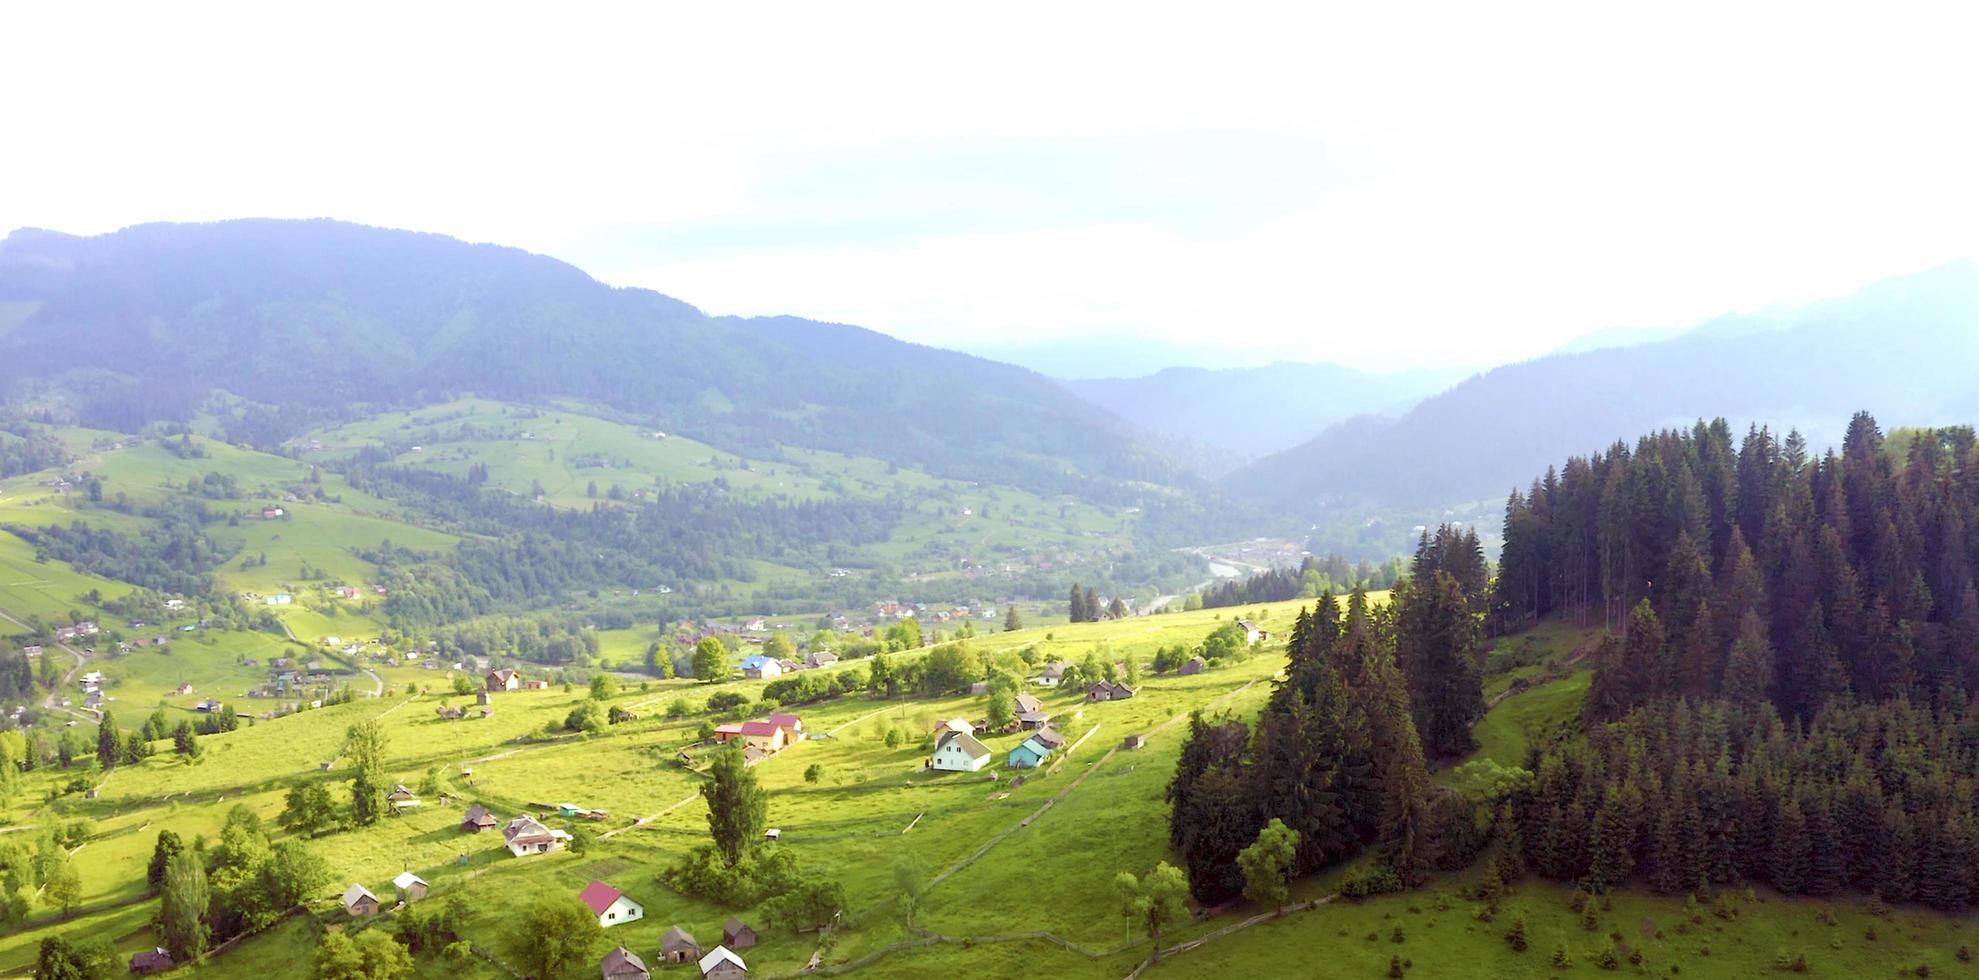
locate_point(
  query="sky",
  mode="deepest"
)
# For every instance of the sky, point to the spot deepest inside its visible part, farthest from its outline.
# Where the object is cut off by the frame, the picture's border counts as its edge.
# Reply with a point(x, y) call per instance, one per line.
point(1416, 185)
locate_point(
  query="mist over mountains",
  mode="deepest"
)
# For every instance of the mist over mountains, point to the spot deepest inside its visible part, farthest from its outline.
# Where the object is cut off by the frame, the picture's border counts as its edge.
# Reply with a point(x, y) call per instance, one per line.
point(1902, 348)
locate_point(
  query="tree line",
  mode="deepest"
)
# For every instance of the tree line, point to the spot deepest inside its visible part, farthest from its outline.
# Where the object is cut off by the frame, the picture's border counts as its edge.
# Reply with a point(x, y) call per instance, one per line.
point(1767, 572)
point(1312, 577)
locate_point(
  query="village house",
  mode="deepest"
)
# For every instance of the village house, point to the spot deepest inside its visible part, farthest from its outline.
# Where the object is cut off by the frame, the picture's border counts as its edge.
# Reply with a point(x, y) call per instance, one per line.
point(623, 964)
point(793, 726)
point(1031, 713)
point(477, 819)
point(527, 835)
point(1108, 691)
point(504, 680)
point(720, 964)
point(1030, 753)
point(209, 706)
point(402, 795)
point(1054, 672)
point(536, 684)
point(611, 906)
point(185, 688)
point(736, 934)
point(820, 658)
point(766, 736)
point(358, 900)
point(347, 592)
point(953, 725)
point(760, 666)
point(790, 666)
point(34, 650)
point(959, 752)
point(1193, 665)
point(678, 946)
point(411, 887)
point(1253, 634)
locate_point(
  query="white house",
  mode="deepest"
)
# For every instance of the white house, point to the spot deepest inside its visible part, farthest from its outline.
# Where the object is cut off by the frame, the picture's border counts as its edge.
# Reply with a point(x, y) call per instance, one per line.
point(611, 906)
point(959, 752)
point(1053, 673)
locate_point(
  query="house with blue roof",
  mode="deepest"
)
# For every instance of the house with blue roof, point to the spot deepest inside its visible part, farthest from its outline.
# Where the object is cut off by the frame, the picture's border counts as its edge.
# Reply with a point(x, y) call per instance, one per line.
point(760, 666)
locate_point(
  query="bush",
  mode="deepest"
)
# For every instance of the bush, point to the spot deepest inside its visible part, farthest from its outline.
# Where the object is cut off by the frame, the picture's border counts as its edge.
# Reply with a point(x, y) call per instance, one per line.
point(1608, 958)
point(1561, 958)
point(723, 700)
point(1395, 935)
point(1394, 966)
point(1368, 880)
point(1590, 920)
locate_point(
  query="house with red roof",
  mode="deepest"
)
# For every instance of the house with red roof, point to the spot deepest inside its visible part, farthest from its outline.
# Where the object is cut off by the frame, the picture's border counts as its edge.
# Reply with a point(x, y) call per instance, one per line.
point(611, 906)
point(765, 735)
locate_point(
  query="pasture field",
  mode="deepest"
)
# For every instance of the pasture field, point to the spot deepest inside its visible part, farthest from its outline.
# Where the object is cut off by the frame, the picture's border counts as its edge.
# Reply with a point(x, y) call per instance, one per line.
point(1006, 861)
point(47, 589)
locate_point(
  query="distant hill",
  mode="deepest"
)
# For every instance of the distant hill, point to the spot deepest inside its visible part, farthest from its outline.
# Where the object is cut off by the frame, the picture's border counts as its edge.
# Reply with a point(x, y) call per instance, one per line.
point(1903, 348)
point(1251, 412)
point(309, 320)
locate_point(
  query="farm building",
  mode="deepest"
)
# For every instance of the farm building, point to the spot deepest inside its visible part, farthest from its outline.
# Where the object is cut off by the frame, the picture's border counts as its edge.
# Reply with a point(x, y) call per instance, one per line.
point(611, 906)
point(959, 752)
point(720, 964)
point(736, 934)
point(1134, 742)
point(953, 725)
point(358, 900)
point(1252, 632)
point(677, 946)
point(1193, 665)
point(765, 735)
point(1049, 738)
point(1027, 755)
point(401, 793)
point(411, 887)
point(154, 960)
point(760, 666)
point(1054, 672)
point(527, 835)
point(1108, 691)
point(793, 726)
point(478, 819)
point(820, 658)
point(537, 684)
point(504, 680)
point(623, 964)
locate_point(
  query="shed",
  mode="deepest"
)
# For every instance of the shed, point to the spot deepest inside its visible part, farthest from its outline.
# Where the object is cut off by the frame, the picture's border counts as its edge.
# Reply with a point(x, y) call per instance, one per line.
point(411, 887)
point(722, 964)
point(677, 946)
point(1133, 741)
point(623, 964)
point(358, 900)
point(736, 934)
point(154, 960)
point(1193, 665)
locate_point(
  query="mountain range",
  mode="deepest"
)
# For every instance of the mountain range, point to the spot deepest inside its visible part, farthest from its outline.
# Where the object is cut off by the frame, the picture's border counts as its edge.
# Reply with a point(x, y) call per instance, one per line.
point(312, 321)
point(1902, 349)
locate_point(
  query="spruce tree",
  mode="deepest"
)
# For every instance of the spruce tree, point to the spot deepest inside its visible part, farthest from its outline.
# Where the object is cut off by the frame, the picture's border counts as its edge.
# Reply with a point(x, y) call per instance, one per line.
point(1792, 849)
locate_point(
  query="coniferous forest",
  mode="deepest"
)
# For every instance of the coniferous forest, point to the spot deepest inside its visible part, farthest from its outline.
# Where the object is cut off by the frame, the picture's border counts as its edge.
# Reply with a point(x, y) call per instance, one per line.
point(1781, 694)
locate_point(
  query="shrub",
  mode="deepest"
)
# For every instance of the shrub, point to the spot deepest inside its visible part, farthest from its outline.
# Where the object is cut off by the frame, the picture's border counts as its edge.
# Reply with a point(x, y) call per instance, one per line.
point(1608, 958)
point(1589, 920)
point(1369, 880)
point(1561, 958)
point(1394, 966)
point(1395, 935)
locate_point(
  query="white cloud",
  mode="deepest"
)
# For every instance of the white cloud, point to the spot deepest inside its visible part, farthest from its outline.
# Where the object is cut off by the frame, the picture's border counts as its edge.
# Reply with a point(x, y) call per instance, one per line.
point(1498, 178)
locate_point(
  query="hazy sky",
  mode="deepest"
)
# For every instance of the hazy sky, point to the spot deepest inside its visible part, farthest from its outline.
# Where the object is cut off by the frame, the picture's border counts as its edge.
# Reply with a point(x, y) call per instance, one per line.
point(1458, 185)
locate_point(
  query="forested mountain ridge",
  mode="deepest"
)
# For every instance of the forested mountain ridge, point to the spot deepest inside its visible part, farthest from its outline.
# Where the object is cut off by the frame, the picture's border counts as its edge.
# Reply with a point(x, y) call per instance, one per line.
point(1901, 345)
point(305, 319)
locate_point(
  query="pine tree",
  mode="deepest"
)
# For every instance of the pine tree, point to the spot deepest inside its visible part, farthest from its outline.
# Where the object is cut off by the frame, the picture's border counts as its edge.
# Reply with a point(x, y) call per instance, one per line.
point(1749, 671)
point(1405, 842)
point(1792, 849)
point(1896, 855)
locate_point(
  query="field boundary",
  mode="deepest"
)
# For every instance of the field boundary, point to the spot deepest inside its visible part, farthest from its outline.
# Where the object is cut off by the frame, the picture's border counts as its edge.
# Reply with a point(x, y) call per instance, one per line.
point(1234, 927)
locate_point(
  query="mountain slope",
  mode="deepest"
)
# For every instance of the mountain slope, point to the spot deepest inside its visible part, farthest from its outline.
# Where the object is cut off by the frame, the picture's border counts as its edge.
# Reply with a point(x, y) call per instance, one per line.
point(1901, 348)
point(310, 318)
point(1255, 411)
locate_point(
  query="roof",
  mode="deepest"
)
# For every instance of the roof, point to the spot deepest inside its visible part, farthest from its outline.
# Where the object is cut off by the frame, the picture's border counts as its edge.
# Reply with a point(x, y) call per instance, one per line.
point(718, 955)
point(1247, 624)
point(599, 896)
point(675, 938)
point(355, 892)
point(1055, 669)
point(525, 826)
point(407, 879)
point(964, 741)
point(1048, 738)
point(621, 957)
point(155, 958)
point(735, 925)
point(755, 661)
point(785, 720)
point(1027, 702)
point(502, 674)
point(478, 814)
point(758, 728)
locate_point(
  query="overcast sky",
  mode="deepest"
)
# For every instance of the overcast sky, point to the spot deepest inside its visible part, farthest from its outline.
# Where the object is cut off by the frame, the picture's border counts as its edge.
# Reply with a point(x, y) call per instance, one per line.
point(1410, 185)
